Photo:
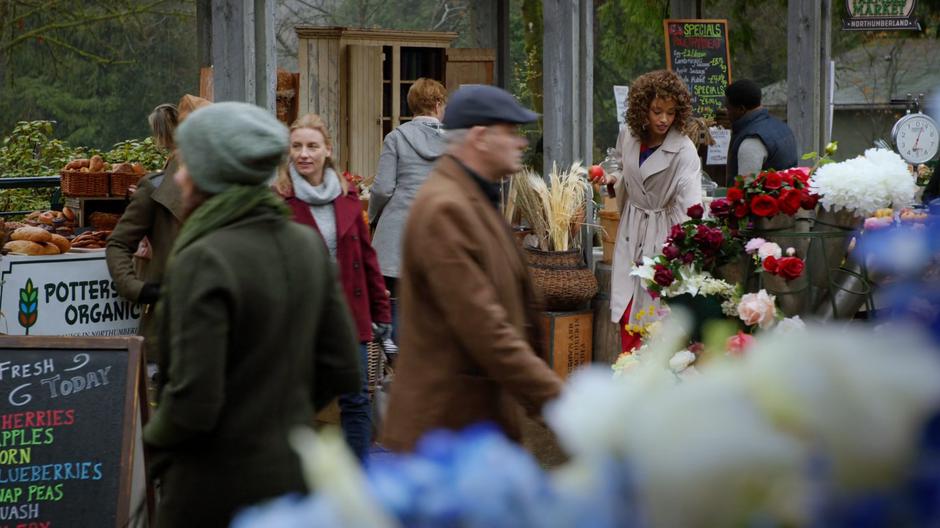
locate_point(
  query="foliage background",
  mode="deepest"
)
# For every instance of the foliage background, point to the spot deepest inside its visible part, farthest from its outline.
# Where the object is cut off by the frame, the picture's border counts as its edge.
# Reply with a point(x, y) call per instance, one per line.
point(95, 68)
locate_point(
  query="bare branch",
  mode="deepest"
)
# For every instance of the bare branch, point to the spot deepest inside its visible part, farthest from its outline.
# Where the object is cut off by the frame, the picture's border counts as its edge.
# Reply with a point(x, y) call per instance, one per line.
point(43, 30)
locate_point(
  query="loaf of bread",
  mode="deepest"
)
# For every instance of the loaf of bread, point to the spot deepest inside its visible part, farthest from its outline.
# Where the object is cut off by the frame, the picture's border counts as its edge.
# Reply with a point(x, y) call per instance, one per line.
point(123, 168)
point(61, 242)
point(77, 164)
point(32, 234)
point(27, 247)
point(95, 164)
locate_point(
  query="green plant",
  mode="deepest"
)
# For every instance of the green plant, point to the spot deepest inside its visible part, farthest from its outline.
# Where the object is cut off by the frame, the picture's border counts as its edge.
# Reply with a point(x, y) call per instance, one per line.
point(30, 150)
point(142, 151)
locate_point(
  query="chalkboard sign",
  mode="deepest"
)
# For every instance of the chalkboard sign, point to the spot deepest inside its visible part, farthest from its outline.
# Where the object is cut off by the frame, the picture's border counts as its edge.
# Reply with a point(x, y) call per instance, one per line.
point(697, 50)
point(68, 415)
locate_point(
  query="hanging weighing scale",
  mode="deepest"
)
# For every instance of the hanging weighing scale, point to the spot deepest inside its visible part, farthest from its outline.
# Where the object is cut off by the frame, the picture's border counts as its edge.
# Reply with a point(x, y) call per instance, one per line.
point(916, 135)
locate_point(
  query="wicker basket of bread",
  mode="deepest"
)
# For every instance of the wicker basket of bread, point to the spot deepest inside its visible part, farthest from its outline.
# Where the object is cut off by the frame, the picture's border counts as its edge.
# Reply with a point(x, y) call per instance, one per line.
point(123, 175)
point(86, 177)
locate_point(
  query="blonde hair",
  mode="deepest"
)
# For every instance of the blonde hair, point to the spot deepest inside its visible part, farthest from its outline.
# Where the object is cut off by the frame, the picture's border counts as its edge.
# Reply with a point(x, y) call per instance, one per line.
point(424, 96)
point(163, 120)
point(282, 183)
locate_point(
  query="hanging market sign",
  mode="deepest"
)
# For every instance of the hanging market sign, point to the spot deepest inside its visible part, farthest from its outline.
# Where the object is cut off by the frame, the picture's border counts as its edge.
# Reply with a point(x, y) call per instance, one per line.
point(70, 294)
point(697, 51)
point(879, 15)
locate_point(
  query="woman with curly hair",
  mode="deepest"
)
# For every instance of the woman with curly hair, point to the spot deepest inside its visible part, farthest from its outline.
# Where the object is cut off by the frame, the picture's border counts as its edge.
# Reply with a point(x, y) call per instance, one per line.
point(660, 181)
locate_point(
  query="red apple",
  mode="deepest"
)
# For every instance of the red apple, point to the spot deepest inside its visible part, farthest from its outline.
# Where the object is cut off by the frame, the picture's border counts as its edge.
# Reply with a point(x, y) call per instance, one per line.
point(596, 172)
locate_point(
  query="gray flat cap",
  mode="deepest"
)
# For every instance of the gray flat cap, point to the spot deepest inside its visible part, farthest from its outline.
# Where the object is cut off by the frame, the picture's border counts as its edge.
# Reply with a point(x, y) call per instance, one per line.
point(482, 105)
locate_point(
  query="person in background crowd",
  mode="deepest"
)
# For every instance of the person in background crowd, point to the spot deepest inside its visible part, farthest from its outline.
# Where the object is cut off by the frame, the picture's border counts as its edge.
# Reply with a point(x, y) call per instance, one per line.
point(322, 199)
point(759, 141)
point(408, 154)
point(661, 180)
point(253, 327)
point(140, 243)
point(469, 341)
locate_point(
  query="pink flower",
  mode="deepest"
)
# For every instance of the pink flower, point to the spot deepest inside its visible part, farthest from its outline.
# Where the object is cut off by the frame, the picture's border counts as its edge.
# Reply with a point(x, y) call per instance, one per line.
point(738, 344)
point(757, 309)
point(754, 244)
point(769, 249)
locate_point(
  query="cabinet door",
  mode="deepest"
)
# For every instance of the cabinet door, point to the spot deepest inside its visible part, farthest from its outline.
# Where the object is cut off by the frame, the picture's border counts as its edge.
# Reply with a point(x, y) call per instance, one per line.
point(469, 66)
point(364, 110)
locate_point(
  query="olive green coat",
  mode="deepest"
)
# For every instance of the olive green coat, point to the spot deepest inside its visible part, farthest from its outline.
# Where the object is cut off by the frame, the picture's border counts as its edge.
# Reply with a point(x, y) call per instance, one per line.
point(154, 211)
point(255, 336)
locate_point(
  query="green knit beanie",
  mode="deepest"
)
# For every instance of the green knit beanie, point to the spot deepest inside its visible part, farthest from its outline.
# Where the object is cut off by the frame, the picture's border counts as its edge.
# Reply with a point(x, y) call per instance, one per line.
point(231, 143)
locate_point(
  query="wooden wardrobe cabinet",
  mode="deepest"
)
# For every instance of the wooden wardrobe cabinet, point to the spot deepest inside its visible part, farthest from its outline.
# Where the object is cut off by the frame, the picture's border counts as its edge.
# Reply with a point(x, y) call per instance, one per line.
point(358, 80)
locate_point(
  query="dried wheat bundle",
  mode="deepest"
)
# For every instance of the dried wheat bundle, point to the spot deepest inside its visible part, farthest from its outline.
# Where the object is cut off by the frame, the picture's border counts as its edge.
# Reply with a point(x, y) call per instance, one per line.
point(565, 203)
point(531, 197)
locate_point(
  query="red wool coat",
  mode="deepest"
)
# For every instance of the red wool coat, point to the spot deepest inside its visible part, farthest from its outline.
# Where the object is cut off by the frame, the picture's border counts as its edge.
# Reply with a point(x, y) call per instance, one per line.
point(356, 260)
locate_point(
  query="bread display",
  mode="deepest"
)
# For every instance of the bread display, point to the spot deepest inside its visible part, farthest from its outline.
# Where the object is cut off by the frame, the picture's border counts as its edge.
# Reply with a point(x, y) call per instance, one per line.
point(32, 234)
point(51, 221)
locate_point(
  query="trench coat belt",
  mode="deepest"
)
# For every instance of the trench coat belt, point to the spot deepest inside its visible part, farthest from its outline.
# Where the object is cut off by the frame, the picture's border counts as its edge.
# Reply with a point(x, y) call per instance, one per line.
point(645, 210)
point(635, 247)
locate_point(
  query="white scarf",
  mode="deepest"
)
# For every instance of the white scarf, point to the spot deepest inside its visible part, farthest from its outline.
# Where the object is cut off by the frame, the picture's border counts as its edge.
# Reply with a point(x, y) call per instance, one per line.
point(311, 194)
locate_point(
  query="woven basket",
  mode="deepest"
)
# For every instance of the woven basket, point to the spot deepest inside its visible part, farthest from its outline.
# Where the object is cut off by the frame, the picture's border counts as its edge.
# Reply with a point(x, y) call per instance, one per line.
point(375, 367)
point(562, 278)
point(103, 221)
point(121, 181)
point(87, 184)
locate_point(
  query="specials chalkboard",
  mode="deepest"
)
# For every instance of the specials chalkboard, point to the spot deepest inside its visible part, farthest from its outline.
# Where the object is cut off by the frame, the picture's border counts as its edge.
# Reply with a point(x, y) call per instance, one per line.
point(68, 415)
point(697, 51)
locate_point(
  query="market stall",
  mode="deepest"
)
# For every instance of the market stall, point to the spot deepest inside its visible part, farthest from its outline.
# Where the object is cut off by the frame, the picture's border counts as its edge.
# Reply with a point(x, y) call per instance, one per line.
point(55, 280)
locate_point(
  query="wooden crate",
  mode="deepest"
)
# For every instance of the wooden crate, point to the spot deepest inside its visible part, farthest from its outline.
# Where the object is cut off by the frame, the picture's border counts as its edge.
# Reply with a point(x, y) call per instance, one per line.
point(568, 339)
point(606, 334)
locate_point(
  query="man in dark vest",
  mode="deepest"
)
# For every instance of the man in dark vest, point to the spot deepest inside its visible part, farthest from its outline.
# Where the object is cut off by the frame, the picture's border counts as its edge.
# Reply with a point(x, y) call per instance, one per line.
point(759, 141)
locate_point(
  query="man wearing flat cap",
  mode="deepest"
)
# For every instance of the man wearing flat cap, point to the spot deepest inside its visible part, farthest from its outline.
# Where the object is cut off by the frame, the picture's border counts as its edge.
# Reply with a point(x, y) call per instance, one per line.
point(253, 328)
point(469, 348)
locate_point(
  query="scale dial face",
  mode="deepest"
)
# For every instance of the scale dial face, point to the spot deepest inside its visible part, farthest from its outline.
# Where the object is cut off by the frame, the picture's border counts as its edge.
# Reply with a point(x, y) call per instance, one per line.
point(916, 138)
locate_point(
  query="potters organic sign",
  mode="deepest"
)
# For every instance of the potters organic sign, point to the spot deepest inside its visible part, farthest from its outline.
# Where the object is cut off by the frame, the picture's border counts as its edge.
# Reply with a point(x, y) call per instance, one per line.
point(879, 15)
point(70, 294)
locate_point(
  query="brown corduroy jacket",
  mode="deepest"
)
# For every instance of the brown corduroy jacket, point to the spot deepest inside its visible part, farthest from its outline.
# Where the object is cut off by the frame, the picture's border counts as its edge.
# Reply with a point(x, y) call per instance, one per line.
point(469, 340)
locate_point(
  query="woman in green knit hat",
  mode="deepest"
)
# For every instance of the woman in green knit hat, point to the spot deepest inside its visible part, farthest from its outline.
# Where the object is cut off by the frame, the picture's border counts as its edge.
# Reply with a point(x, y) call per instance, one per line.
point(254, 331)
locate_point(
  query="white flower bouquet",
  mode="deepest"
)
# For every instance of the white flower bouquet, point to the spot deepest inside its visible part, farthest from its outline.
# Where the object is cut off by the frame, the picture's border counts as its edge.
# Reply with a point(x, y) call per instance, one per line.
point(865, 184)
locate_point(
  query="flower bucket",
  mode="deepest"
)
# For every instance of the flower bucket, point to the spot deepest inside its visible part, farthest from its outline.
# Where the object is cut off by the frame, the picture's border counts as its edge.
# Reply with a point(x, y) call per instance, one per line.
point(792, 296)
point(702, 309)
point(562, 279)
point(850, 289)
point(736, 271)
point(827, 250)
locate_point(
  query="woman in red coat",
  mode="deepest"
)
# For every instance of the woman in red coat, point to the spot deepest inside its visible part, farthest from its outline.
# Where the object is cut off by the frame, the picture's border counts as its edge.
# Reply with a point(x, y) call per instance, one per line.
point(322, 199)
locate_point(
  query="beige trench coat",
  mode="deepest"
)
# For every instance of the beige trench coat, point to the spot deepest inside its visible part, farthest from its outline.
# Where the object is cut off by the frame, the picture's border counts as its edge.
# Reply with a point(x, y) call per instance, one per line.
point(652, 198)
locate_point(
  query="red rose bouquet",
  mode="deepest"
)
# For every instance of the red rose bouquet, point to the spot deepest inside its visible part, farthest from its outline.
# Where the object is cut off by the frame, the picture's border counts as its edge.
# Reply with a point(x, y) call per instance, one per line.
point(765, 195)
point(691, 252)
